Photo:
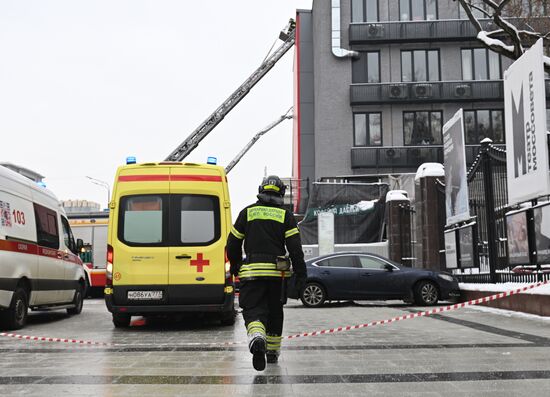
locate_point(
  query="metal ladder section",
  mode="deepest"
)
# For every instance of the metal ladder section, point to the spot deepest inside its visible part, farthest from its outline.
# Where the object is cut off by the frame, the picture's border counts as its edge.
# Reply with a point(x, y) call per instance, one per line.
point(212, 121)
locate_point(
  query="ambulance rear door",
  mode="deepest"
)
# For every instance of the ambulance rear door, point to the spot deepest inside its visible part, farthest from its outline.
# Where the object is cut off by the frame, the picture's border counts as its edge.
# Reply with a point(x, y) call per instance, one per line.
point(141, 234)
point(196, 256)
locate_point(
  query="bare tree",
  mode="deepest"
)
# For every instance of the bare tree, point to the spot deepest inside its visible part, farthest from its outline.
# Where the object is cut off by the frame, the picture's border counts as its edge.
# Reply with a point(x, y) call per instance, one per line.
point(509, 26)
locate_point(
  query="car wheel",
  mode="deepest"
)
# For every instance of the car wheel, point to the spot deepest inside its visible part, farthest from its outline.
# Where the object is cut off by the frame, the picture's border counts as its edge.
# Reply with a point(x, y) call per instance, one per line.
point(15, 317)
point(426, 293)
point(78, 301)
point(121, 320)
point(313, 295)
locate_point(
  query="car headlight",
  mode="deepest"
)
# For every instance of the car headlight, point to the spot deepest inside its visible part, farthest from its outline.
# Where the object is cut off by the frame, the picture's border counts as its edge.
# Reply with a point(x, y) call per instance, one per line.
point(446, 277)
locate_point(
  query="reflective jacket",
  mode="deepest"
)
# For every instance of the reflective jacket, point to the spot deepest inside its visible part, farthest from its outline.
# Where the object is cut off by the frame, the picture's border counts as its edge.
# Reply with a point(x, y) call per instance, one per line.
point(265, 229)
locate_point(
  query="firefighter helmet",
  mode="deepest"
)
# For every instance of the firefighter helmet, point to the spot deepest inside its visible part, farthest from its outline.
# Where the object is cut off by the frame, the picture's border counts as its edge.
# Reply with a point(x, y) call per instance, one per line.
point(272, 184)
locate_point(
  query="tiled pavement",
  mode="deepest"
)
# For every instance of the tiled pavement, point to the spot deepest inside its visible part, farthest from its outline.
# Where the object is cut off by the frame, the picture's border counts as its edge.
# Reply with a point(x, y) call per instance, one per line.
point(458, 353)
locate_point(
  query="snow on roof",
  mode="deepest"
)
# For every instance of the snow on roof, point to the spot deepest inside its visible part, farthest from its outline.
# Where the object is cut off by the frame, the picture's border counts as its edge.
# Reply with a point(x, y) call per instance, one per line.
point(397, 195)
point(429, 169)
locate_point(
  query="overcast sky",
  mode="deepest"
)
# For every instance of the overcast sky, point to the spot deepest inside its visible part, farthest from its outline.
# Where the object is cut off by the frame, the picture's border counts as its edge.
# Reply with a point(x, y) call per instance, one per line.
point(84, 84)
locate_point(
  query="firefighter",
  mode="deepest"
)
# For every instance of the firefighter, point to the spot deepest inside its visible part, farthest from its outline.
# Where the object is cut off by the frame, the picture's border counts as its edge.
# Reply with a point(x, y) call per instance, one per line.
point(266, 229)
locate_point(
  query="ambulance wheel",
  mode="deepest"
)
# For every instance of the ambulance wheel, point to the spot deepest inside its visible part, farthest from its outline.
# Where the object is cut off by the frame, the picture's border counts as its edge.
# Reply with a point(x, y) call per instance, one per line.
point(78, 301)
point(15, 317)
point(228, 318)
point(121, 320)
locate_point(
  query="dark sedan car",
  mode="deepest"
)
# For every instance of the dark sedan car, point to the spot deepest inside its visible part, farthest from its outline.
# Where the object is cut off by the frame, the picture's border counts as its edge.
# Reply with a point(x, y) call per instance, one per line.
point(363, 276)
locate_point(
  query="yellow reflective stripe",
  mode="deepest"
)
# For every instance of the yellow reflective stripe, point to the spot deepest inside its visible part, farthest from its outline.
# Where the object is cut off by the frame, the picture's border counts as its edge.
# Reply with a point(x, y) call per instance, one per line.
point(262, 273)
point(274, 342)
point(271, 187)
point(236, 233)
point(291, 232)
point(265, 214)
point(255, 326)
point(259, 266)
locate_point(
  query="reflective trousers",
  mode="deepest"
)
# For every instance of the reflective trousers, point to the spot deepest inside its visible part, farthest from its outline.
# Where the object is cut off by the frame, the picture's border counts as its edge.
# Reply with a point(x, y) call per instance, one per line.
point(260, 300)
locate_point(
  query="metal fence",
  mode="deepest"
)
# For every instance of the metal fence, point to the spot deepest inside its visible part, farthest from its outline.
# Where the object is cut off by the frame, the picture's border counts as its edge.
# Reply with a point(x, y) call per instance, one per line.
point(488, 199)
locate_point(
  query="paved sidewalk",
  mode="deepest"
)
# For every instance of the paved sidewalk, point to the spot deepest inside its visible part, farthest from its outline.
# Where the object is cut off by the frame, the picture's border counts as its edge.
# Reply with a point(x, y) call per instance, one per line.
point(458, 353)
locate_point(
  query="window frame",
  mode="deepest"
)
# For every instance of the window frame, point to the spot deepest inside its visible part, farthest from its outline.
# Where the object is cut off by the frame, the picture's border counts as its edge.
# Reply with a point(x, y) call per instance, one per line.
point(426, 51)
point(366, 61)
point(425, 10)
point(466, 141)
point(472, 64)
point(355, 262)
point(66, 226)
point(165, 242)
point(40, 240)
point(367, 131)
point(429, 125)
point(175, 225)
point(364, 16)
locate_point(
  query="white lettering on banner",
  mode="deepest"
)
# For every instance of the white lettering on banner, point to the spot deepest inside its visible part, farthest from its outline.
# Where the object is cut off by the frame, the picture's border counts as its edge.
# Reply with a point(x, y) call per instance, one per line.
point(530, 135)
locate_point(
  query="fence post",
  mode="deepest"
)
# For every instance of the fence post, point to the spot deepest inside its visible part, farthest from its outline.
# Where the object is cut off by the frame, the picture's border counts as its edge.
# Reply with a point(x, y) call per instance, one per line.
point(399, 227)
point(487, 168)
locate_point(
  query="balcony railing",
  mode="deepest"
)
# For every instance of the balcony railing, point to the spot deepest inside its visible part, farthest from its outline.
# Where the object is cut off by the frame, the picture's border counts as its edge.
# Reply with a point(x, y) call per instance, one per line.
point(404, 156)
point(437, 30)
point(437, 91)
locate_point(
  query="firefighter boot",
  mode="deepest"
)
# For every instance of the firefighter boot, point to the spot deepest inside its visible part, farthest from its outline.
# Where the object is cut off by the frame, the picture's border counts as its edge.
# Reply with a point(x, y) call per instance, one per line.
point(273, 348)
point(257, 344)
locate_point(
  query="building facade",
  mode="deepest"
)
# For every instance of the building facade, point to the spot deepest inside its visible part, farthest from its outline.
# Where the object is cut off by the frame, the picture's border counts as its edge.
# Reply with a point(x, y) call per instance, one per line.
point(376, 80)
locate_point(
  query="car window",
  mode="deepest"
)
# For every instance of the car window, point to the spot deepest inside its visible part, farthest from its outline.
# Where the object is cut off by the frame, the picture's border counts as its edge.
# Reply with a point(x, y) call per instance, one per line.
point(368, 262)
point(339, 261)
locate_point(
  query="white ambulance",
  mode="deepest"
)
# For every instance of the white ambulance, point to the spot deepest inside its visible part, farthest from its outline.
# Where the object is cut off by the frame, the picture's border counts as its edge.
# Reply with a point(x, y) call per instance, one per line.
point(39, 268)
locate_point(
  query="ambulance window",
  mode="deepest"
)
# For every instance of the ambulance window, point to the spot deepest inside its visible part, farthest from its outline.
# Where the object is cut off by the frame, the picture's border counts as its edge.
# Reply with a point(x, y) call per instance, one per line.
point(68, 235)
point(142, 219)
point(46, 227)
point(199, 219)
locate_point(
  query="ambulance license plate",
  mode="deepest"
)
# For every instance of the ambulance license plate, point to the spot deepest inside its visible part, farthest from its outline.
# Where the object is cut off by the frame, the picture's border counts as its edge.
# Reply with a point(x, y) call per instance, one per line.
point(144, 295)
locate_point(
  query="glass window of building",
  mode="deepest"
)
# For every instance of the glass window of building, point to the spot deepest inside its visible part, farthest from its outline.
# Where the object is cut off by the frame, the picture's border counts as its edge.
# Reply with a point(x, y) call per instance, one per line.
point(367, 129)
point(417, 10)
point(420, 65)
point(476, 11)
point(481, 124)
point(364, 10)
point(480, 64)
point(422, 128)
point(366, 68)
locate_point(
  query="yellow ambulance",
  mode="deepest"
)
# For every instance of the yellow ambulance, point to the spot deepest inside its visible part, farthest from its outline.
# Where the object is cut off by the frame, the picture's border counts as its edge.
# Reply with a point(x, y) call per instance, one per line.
point(168, 224)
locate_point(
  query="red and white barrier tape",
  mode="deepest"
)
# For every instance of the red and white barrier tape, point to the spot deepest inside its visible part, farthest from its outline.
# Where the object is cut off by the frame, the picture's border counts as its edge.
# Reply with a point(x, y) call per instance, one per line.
point(46, 339)
point(315, 333)
point(420, 314)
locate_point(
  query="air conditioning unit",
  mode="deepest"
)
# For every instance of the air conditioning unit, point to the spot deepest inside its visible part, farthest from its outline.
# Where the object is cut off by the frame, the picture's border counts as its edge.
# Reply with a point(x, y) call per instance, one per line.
point(398, 91)
point(463, 91)
point(375, 31)
point(392, 154)
point(422, 90)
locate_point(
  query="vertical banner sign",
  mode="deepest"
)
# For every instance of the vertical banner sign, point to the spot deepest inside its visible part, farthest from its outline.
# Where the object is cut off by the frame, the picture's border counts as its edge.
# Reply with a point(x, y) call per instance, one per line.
point(326, 233)
point(456, 184)
point(525, 121)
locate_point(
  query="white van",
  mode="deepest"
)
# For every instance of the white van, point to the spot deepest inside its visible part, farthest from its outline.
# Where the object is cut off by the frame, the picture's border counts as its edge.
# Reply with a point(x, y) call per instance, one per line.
point(39, 268)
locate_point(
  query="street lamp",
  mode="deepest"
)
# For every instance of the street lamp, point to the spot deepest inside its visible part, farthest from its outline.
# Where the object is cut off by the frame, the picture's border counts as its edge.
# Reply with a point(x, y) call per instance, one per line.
point(103, 184)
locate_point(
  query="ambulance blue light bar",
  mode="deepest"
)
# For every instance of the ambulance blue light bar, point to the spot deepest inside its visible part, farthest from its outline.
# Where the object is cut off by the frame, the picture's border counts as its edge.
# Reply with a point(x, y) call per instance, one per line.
point(130, 160)
point(212, 160)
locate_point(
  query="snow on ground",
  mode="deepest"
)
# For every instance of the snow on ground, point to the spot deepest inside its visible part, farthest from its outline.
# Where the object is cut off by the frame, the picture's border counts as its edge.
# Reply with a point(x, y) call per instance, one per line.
point(542, 290)
point(510, 313)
